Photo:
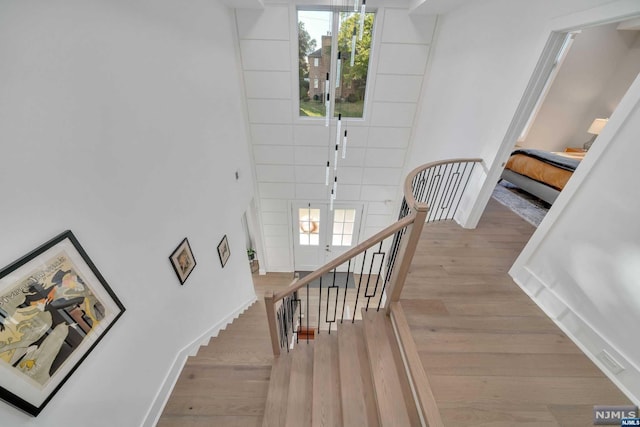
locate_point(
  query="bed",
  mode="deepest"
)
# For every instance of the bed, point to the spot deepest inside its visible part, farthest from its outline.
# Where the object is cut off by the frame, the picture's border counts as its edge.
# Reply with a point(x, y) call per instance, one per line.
point(541, 173)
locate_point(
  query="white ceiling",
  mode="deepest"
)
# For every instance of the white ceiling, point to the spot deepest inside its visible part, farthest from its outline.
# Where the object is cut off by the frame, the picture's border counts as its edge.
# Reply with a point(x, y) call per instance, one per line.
point(419, 7)
point(435, 7)
point(244, 4)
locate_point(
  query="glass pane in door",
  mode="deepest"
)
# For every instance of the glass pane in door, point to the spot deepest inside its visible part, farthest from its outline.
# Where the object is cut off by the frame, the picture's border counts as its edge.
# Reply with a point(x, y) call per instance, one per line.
point(309, 226)
point(343, 221)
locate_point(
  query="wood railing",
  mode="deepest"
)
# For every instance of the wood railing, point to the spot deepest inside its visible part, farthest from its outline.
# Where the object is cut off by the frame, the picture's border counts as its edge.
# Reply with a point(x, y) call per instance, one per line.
point(432, 192)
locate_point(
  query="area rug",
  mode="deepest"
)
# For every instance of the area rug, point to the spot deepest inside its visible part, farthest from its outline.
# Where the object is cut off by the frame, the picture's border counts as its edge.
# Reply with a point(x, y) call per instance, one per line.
point(528, 207)
point(327, 280)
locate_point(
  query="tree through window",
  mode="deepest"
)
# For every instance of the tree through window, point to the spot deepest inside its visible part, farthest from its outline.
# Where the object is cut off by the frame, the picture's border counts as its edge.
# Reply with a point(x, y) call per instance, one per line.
point(347, 71)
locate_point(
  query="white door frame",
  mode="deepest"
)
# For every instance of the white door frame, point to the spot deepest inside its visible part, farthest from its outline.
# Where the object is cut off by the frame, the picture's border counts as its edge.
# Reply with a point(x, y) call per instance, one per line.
point(557, 29)
point(327, 234)
point(310, 251)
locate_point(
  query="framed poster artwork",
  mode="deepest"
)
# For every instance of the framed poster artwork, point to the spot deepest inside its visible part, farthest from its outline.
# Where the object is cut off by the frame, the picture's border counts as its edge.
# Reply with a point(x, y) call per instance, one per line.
point(183, 261)
point(55, 307)
point(223, 250)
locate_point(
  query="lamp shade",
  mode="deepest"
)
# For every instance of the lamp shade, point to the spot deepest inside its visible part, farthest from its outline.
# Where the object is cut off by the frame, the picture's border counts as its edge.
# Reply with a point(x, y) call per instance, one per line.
point(597, 126)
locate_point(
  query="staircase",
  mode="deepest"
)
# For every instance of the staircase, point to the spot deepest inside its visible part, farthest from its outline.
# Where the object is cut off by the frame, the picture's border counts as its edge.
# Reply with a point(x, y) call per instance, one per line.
point(356, 375)
point(352, 377)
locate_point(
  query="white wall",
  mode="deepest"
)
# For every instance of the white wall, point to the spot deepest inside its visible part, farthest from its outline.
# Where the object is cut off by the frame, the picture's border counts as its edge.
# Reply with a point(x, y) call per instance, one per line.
point(123, 122)
point(619, 82)
point(582, 265)
point(483, 60)
point(290, 152)
point(593, 78)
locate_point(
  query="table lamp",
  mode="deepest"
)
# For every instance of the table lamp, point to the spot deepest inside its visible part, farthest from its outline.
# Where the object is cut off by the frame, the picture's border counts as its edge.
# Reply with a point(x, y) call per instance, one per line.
point(595, 129)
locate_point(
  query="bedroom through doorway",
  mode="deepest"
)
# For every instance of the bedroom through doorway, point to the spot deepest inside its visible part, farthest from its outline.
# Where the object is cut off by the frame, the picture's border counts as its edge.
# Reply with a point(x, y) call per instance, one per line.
point(590, 73)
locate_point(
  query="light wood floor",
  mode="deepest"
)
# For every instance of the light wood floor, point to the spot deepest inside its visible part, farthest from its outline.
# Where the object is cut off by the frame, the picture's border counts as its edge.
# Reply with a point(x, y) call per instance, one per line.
point(492, 356)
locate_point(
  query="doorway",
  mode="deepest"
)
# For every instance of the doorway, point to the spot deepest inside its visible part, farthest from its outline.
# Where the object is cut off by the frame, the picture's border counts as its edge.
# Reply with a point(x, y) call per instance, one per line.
point(321, 234)
point(615, 12)
point(580, 94)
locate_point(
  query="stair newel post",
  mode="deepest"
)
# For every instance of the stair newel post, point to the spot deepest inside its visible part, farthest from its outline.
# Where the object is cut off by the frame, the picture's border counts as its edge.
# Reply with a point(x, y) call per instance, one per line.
point(405, 254)
point(271, 318)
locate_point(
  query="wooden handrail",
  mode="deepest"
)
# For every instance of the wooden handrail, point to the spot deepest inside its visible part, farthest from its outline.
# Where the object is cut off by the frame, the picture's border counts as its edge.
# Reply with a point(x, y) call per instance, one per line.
point(415, 217)
point(408, 188)
point(417, 208)
point(356, 250)
point(271, 318)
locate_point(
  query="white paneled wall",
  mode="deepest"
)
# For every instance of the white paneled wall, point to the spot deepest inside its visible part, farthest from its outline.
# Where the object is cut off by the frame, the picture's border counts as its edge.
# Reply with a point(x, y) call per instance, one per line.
point(290, 153)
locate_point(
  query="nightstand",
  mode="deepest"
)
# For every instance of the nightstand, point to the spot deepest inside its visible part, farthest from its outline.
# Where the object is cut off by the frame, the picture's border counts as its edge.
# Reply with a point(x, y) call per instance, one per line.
point(574, 150)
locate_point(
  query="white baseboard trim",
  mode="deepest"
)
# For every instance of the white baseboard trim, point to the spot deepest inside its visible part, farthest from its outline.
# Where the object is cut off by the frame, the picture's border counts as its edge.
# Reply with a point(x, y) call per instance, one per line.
point(161, 398)
point(583, 334)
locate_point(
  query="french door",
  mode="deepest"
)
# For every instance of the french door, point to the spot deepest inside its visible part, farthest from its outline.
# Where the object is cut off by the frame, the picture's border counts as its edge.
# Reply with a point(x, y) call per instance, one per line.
point(320, 235)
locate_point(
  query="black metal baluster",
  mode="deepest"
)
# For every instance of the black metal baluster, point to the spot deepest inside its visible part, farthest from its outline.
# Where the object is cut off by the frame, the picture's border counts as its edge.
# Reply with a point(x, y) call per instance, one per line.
point(395, 247)
point(319, 304)
point(296, 304)
point(404, 209)
point(373, 258)
point(279, 320)
point(285, 304)
point(355, 307)
point(452, 179)
point(458, 196)
point(434, 195)
point(335, 308)
point(306, 313)
point(434, 182)
point(391, 259)
point(419, 191)
point(346, 283)
point(437, 198)
point(375, 289)
point(473, 165)
point(424, 196)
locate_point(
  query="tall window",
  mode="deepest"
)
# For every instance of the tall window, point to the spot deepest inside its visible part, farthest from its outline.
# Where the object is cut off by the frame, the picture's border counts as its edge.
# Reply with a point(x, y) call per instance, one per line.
point(321, 55)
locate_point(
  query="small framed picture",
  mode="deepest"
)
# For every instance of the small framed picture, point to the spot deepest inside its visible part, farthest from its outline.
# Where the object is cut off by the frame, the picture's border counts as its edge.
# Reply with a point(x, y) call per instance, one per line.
point(223, 250)
point(55, 307)
point(183, 261)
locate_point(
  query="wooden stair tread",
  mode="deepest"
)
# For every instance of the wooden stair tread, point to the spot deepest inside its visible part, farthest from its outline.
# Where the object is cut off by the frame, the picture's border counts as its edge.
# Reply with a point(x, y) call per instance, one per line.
point(327, 408)
point(275, 411)
point(352, 377)
point(301, 386)
point(356, 386)
point(389, 389)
